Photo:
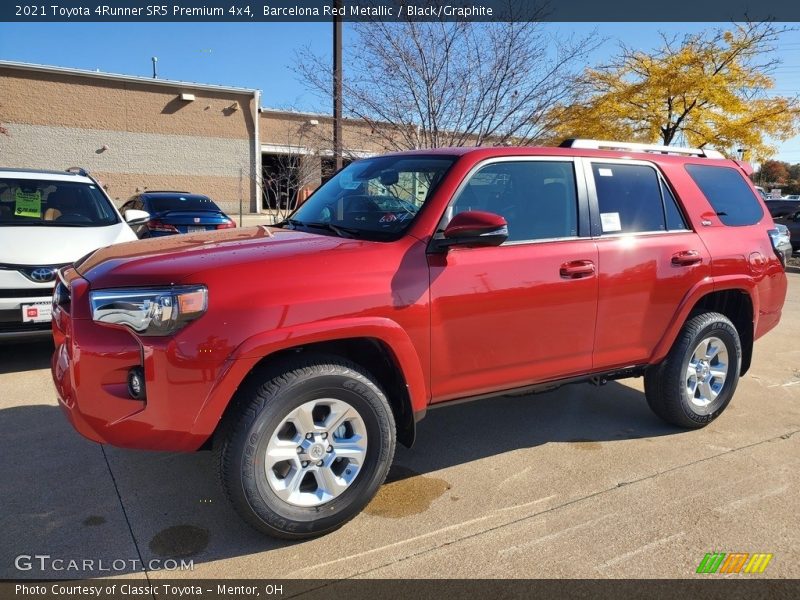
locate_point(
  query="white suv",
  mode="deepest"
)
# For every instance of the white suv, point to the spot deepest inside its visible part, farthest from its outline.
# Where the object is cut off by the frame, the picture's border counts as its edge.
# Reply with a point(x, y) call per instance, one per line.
point(48, 219)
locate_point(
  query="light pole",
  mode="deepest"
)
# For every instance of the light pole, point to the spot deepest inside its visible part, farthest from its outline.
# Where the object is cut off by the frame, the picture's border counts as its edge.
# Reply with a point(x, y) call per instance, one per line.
point(337, 84)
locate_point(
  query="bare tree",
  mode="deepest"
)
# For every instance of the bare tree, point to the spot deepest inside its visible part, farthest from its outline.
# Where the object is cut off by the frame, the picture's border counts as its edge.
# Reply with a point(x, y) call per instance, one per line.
point(433, 84)
point(294, 173)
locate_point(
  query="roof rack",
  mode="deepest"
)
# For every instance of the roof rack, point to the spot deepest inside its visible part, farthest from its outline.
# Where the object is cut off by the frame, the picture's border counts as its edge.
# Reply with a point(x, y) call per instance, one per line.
point(636, 147)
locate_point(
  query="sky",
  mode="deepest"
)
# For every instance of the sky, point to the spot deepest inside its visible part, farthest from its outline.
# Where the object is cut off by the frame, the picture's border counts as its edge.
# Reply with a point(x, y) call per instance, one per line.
point(263, 55)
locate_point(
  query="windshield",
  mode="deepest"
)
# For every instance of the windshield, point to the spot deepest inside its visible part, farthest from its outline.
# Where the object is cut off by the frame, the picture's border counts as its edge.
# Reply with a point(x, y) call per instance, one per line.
point(376, 197)
point(179, 203)
point(53, 203)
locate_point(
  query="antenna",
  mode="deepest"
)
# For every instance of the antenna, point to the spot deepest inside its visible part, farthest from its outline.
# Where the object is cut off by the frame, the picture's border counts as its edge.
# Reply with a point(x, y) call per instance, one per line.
point(155, 67)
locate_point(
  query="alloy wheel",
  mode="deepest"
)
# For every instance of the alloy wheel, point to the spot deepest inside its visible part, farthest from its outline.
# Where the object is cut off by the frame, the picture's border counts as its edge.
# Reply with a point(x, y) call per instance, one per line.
point(316, 452)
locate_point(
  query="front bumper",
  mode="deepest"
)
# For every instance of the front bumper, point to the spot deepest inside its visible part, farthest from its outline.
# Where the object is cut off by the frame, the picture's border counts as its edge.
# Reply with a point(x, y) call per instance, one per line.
point(183, 374)
point(16, 291)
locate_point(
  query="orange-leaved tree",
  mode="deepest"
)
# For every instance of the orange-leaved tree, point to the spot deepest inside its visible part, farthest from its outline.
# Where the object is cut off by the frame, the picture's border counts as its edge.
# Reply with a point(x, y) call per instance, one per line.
point(711, 88)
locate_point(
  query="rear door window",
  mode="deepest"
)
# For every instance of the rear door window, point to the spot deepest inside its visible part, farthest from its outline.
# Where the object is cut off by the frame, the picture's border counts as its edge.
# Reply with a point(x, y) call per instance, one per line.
point(675, 220)
point(728, 193)
point(629, 198)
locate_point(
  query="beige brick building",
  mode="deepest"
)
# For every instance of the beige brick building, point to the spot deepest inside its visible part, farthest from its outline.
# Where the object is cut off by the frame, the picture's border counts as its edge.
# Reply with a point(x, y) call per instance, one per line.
point(136, 133)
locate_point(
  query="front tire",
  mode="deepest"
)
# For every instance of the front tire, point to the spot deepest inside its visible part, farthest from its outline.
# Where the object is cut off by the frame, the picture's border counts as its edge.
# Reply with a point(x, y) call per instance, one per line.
point(696, 381)
point(306, 447)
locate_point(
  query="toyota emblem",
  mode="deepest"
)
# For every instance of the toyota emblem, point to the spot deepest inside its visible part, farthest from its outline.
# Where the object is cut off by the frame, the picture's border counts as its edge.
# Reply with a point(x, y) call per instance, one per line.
point(42, 274)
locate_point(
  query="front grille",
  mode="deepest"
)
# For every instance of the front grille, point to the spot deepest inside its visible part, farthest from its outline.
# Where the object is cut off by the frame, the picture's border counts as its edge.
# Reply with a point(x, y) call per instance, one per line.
point(26, 293)
point(30, 271)
point(20, 326)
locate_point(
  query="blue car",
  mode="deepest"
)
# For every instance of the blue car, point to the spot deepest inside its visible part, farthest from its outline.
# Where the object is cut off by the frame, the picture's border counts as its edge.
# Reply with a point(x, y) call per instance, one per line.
point(176, 212)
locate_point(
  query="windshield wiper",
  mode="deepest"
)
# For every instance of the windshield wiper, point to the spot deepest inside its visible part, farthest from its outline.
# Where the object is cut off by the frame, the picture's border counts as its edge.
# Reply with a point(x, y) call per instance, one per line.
point(345, 232)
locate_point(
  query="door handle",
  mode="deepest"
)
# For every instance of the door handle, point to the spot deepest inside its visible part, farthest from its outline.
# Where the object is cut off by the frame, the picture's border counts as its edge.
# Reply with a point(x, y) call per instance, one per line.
point(576, 269)
point(686, 258)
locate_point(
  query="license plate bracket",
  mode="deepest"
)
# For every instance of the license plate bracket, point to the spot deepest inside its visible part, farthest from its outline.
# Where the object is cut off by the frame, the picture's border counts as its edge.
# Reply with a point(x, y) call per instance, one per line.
point(39, 312)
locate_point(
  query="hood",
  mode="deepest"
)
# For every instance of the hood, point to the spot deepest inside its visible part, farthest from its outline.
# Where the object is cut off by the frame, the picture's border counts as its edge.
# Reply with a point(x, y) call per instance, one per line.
point(47, 245)
point(173, 259)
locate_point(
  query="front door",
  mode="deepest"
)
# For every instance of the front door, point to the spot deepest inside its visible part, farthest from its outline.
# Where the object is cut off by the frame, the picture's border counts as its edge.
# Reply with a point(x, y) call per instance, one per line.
point(524, 312)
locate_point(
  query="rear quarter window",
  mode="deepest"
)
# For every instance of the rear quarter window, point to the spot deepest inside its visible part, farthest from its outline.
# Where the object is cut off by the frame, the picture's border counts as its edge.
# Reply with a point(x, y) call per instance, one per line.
point(729, 194)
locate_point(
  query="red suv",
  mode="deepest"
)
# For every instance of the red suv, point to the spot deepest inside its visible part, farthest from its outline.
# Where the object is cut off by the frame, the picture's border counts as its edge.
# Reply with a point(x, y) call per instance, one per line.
point(302, 352)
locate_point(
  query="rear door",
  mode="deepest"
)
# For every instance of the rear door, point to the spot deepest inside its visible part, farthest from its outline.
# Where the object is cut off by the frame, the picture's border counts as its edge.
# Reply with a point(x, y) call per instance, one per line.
point(648, 258)
point(523, 312)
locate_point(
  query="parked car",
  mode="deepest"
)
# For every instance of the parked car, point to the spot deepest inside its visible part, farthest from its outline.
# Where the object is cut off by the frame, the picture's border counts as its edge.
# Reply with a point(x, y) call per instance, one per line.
point(303, 352)
point(47, 219)
point(792, 224)
point(795, 197)
point(782, 207)
point(177, 212)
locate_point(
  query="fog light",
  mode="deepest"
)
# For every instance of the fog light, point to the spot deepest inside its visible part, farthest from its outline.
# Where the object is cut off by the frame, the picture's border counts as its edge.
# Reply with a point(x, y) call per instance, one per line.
point(136, 387)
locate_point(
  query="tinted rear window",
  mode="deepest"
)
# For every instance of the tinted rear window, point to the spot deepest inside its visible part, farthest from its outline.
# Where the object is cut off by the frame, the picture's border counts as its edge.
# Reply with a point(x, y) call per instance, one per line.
point(166, 203)
point(728, 193)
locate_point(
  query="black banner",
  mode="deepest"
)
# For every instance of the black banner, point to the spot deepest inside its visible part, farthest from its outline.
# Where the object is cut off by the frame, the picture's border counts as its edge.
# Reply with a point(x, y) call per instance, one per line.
point(393, 10)
point(709, 587)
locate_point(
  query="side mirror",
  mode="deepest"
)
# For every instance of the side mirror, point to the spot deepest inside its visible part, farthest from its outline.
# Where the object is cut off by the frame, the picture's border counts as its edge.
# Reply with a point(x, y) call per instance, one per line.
point(136, 217)
point(473, 228)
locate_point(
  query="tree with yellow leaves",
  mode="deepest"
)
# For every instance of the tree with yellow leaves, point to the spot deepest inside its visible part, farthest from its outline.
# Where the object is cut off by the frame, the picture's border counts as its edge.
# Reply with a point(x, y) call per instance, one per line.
point(707, 89)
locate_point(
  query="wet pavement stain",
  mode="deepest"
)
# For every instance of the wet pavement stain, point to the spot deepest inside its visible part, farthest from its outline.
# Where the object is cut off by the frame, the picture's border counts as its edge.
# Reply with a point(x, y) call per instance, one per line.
point(179, 541)
point(585, 444)
point(93, 521)
point(405, 493)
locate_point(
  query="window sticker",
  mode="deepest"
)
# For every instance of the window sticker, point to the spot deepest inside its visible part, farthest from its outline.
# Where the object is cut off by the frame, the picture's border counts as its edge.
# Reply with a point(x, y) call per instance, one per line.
point(610, 222)
point(603, 172)
point(28, 204)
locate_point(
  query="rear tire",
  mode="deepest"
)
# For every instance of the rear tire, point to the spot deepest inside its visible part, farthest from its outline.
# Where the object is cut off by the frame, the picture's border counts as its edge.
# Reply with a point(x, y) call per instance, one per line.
point(696, 381)
point(306, 447)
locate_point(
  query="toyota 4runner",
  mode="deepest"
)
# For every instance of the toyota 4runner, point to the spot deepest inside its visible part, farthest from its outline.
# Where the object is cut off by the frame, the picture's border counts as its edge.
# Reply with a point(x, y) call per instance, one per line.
point(302, 352)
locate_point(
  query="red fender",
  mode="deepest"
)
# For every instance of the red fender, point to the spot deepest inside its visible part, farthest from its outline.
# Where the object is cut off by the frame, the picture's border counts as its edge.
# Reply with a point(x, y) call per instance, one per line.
point(255, 348)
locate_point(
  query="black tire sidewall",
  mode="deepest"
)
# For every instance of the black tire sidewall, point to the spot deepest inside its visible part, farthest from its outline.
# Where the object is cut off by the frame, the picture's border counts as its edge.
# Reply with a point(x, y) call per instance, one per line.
point(725, 331)
point(287, 519)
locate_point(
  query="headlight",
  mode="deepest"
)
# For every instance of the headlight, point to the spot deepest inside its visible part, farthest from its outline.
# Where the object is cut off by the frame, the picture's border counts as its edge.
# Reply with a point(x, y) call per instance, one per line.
point(149, 311)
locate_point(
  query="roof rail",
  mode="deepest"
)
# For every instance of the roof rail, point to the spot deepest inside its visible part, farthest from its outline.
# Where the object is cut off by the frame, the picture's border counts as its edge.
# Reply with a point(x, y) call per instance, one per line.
point(78, 171)
point(636, 147)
